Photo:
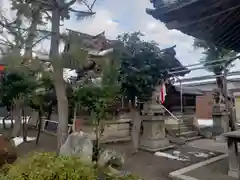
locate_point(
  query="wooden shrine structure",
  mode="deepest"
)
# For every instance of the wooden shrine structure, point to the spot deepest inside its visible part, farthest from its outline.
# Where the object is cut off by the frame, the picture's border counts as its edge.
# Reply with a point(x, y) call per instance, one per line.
point(209, 20)
point(218, 22)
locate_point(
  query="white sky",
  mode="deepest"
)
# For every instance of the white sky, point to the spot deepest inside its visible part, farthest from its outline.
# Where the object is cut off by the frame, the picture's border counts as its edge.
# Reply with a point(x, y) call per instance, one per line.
point(115, 17)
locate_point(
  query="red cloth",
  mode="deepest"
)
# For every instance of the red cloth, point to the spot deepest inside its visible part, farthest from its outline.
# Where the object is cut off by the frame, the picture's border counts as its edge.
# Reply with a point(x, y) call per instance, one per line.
point(78, 125)
point(162, 93)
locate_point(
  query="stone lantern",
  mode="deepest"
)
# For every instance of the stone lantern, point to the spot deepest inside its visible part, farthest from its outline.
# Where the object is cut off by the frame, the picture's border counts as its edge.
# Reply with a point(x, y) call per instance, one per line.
point(154, 137)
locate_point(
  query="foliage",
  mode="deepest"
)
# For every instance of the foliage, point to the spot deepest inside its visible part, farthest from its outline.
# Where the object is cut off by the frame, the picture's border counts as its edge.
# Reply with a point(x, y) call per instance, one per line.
point(143, 66)
point(212, 53)
point(44, 97)
point(96, 97)
point(50, 166)
point(43, 166)
point(15, 85)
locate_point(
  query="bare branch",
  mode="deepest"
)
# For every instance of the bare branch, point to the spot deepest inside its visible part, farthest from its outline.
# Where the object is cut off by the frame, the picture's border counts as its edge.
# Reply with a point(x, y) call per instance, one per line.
point(87, 5)
point(90, 7)
point(6, 37)
point(47, 14)
point(82, 14)
point(93, 4)
point(38, 41)
point(11, 29)
point(6, 43)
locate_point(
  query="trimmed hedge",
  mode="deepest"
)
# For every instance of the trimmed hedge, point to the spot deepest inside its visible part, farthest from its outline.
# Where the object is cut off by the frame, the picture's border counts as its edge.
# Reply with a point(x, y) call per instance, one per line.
point(49, 166)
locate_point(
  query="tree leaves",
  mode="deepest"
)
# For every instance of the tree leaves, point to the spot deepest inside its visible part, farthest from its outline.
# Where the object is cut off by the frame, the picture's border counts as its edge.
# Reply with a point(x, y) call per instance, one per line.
point(16, 85)
point(96, 98)
point(143, 66)
point(212, 53)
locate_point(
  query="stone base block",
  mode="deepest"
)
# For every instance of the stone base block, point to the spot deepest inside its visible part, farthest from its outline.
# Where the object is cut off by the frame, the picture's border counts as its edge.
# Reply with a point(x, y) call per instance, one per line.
point(217, 131)
point(154, 145)
point(221, 139)
point(234, 174)
point(115, 139)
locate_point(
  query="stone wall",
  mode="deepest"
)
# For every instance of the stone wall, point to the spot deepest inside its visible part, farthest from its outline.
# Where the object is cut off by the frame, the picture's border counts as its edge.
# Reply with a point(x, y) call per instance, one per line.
point(115, 131)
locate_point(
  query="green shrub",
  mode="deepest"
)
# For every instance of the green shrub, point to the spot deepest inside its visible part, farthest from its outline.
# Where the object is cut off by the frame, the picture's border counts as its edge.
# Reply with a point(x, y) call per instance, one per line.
point(49, 166)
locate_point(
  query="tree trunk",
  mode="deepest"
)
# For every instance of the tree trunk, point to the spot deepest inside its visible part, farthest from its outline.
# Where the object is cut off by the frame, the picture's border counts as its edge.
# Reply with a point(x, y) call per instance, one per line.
point(17, 111)
point(31, 36)
point(136, 127)
point(74, 118)
point(4, 119)
point(59, 83)
point(24, 124)
point(62, 113)
point(97, 145)
point(49, 111)
point(39, 126)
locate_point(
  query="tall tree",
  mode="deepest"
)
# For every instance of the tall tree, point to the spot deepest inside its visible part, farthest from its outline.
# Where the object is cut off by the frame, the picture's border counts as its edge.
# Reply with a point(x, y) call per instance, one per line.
point(16, 86)
point(60, 10)
point(24, 38)
point(212, 53)
point(143, 67)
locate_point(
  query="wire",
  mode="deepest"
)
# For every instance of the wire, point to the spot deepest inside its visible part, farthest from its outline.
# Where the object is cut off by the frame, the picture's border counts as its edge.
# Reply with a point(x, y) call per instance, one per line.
point(204, 63)
point(235, 73)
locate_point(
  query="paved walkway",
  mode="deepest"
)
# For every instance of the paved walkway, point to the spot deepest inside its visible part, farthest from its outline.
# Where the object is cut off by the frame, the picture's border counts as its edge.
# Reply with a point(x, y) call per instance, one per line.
point(209, 144)
point(214, 171)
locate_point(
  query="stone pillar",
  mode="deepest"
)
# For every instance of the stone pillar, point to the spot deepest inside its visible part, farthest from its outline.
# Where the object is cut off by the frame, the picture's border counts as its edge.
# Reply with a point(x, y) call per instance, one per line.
point(154, 137)
point(220, 119)
point(233, 159)
point(237, 106)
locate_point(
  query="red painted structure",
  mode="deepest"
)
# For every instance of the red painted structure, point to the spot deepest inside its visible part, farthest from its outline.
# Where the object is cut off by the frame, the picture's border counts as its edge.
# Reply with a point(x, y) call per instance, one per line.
point(2, 67)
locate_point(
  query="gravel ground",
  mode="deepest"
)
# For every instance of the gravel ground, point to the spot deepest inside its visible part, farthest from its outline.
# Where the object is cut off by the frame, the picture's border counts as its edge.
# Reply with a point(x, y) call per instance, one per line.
point(143, 164)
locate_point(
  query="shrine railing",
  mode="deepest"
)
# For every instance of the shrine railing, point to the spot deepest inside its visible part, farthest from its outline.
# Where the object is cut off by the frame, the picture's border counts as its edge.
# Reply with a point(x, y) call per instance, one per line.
point(171, 114)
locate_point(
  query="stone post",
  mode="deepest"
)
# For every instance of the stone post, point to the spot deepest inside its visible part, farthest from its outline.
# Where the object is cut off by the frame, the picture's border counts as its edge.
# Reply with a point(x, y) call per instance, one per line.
point(233, 159)
point(220, 119)
point(154, 137)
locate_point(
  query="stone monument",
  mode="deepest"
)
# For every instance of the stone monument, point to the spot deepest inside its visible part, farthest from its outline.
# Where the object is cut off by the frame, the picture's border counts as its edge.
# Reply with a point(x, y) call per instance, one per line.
point(154, 137)
point(78, 144)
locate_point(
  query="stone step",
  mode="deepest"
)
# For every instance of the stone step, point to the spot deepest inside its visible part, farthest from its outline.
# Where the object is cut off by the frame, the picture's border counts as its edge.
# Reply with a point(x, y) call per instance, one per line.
point(182, 129)
point(193, 138)
point(176, 126)
point(188, 134)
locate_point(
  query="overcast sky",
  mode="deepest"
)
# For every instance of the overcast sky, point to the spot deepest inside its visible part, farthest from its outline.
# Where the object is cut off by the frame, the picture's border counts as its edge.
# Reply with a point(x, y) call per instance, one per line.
point(118, 16)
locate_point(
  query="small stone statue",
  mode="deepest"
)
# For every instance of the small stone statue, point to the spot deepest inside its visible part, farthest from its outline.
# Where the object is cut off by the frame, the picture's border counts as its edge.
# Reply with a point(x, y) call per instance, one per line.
point(218, 97)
